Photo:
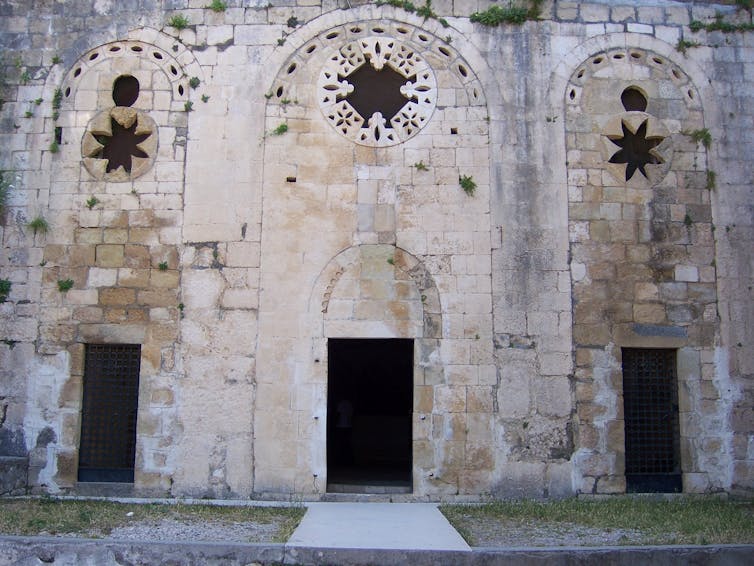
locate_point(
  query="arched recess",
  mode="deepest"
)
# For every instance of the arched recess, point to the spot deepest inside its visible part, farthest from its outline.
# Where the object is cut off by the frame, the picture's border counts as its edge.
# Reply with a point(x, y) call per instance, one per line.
point(419, 289)
point(325, 192)
point(117, 234)
point(642, 252)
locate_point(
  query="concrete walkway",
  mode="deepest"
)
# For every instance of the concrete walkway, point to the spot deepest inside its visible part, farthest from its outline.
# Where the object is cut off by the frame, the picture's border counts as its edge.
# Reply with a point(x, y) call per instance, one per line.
point(397, 526)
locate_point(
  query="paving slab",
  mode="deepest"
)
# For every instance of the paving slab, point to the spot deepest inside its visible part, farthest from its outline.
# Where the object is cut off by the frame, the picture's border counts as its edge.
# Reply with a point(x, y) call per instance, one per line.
point(418, 526)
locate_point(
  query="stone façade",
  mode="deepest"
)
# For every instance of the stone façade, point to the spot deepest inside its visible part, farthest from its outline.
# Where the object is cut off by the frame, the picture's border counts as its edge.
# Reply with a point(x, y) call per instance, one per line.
point(237, 248)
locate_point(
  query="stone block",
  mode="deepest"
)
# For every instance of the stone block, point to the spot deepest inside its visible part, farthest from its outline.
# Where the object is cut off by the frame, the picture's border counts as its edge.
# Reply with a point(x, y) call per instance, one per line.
point(109, 255)
point(116, 297)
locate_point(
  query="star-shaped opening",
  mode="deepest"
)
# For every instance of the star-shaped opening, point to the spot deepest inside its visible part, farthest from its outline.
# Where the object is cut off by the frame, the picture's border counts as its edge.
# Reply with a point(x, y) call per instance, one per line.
point(377, 91)
point(121, 146)
point(636, 149)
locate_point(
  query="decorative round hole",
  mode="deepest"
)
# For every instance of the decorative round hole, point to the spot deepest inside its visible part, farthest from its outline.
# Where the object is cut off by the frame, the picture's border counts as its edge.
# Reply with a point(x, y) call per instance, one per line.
point(279, 92)
point(658, 60)
point(378, 30)
point(157, 55)
point(676, 74)
point(690, 94)
point(377, 91)
point(618, 56)
point(580, 74)
point(423, 38)
point(597, 60)
point(136, 49)
point(77, 72)
point(444, 51)
point(633, 100)
point(180, 90)
point(402, 31)
point(125, 90)
point(635, 55)
point(173, 71)
point(93, 56)
point(114, 49)
point(356, 29)
point(572, 94)
point(311, 49)
point(463, 71)
point(291, 68)
point(332, 35)
point(68, 92)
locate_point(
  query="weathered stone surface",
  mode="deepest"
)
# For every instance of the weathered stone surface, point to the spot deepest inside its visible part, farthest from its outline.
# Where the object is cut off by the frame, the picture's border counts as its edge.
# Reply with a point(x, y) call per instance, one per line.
point(232, 251)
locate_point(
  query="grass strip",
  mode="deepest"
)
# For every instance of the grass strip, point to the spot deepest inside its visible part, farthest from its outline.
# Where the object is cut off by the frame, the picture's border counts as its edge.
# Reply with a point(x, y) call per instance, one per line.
point(96, 519)
point(675, 521)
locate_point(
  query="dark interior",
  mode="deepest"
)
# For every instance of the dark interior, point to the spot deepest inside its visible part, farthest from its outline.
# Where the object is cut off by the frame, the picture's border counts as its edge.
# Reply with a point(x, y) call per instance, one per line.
point(372, 379)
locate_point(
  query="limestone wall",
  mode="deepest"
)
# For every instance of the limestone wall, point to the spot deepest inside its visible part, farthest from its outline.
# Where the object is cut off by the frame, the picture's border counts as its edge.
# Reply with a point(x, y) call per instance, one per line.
point(258, 217)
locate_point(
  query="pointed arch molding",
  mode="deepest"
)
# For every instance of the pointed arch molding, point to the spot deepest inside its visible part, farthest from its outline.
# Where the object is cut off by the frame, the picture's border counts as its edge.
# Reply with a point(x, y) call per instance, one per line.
point(565, 74)
point(165, 52)
point(407, 265)
point(330, 56)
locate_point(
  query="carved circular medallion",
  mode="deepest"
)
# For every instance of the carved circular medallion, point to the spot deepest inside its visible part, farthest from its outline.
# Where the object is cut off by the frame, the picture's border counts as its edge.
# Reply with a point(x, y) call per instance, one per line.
point(377, 91)
point(119, 144)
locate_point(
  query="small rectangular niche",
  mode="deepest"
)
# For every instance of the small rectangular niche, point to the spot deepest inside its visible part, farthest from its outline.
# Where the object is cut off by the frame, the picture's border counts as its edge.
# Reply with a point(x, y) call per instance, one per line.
point(453, 131)
point(290, 179)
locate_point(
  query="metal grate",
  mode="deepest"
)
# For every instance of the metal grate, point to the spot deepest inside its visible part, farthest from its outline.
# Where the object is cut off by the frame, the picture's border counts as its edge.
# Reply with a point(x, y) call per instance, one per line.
point(650, 399)
point(108, 416)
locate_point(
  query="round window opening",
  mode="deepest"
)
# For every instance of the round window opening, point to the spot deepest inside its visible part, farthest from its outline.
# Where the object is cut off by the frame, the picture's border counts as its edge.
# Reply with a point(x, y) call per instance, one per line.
point(120, 143)
point(377, 91)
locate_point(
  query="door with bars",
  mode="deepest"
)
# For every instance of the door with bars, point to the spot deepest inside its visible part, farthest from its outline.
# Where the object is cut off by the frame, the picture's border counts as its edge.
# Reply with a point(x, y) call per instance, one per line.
point(107, 448)
point(650, 402)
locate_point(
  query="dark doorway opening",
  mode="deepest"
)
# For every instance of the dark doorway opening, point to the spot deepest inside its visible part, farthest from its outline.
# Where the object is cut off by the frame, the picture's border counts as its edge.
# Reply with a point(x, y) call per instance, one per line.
point(369, 408)
point(650, 402)
point(107, 449)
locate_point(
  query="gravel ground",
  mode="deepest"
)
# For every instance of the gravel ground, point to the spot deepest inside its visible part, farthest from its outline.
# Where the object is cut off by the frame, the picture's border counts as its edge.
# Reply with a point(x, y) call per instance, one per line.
point(495, 534)
point(184, 531)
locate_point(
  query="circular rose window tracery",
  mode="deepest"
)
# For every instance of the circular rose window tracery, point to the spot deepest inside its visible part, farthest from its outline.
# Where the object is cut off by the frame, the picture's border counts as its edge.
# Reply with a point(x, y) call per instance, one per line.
point(377, 91)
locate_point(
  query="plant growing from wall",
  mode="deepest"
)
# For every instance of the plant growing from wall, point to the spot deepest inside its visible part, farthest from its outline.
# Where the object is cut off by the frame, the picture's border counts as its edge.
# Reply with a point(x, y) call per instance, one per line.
point(91, 202)
point(5, 287)
point(711, 180)
point(162, 266)
point(205, 97)
point(683, 45)
point(424, 11)
point(280, 130)
point(420, 166)
point(292, 22)
point(517, 15)
point(56, 60)
point(719, 24)
point(194, 82)
point(57, 99)
point(188, 106)
point(65, 285)
point(467, 184)
point(703, 135)
point(5, 187)
point(217, 6)
point(54, 147)
point(39, 224)
point(178, 21)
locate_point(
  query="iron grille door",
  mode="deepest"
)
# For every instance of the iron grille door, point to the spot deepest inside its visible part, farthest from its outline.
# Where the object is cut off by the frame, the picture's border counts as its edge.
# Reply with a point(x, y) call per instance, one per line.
point(650, 401)
point(107, 448)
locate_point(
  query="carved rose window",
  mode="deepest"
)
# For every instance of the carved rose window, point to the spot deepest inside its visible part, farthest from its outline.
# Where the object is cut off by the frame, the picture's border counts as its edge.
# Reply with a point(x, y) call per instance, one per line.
point(120, 143)
point(637, 141)
point(376, 91)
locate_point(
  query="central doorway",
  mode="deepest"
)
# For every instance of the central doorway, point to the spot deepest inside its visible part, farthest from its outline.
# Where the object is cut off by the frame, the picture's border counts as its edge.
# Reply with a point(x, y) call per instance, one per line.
point(369, 408)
